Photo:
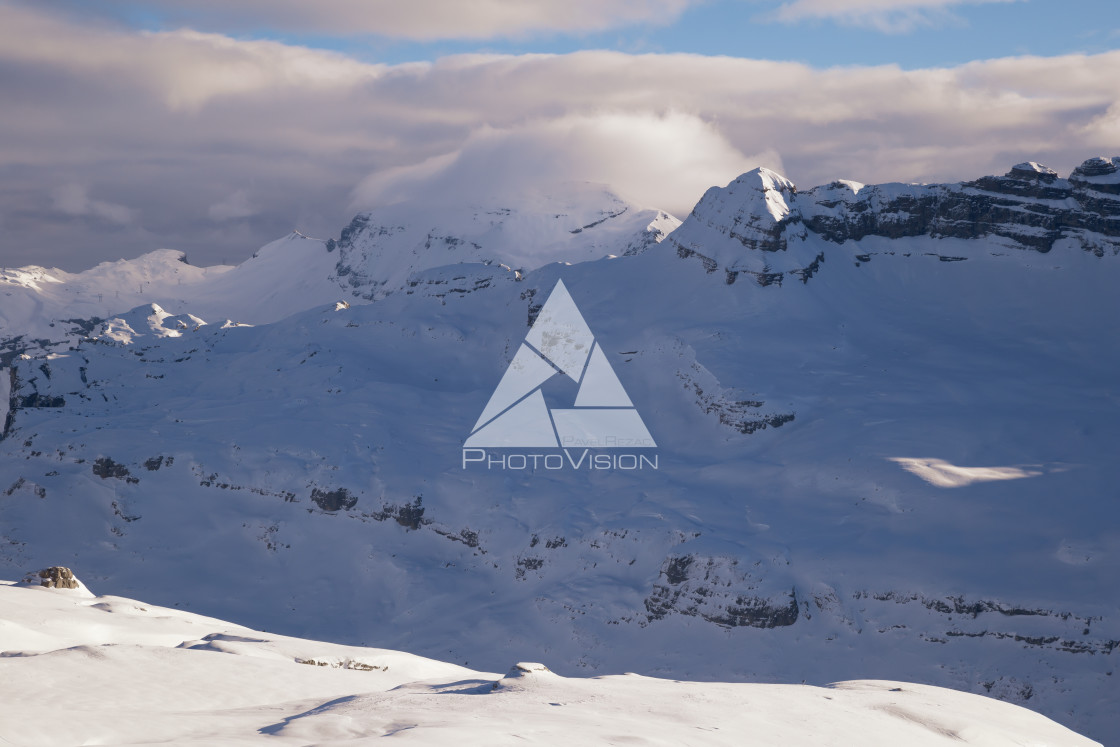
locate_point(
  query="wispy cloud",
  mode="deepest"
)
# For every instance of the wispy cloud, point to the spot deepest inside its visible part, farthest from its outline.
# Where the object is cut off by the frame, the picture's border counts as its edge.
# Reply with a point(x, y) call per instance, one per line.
point(233, 207)
point(74, 199)
point(889, 16)
point(423, 20)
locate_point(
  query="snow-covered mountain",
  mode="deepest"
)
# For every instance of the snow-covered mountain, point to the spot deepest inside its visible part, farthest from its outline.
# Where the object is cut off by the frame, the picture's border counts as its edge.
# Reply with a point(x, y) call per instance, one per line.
point(1030, 207)
point(380, 252)
point(82, 669)
point(287, 275)
point(383, 250)
point(885, 420)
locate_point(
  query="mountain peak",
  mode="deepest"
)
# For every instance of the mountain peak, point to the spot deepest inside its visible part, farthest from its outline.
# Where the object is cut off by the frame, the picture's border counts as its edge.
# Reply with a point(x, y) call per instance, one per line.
point(767, 178)
point(382, 249)
point(753, 212)
point(1099, 168)
point(767, 192)
point(1032, 170)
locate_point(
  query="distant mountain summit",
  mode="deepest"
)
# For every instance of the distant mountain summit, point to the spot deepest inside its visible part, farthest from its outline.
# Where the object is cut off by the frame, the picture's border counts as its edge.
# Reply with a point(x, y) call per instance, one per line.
point(382, 250)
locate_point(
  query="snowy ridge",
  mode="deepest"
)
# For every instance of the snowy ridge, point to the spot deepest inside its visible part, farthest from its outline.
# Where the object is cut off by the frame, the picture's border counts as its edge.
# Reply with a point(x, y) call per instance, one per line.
point(1102, 173)
point(760, 224)
point(381, 250)
point(402, 247)
point(287, 275)
point(132, 672)
point(149, 320)
point(37, 300)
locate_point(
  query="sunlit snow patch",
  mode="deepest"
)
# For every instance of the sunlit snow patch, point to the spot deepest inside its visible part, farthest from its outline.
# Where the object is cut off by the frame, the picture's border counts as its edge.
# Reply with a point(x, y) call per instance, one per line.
point(944, 475)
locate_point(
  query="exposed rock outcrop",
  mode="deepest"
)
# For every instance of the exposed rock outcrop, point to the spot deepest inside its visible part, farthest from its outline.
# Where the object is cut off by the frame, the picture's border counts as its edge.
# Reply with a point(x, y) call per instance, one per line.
point(334, 500)
point(718, 590)
point(55, 577)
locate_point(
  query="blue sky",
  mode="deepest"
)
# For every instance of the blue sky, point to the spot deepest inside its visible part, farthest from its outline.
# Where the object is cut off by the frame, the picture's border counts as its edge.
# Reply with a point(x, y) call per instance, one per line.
point(214, 127)
point(954, 35)
point(731, 28)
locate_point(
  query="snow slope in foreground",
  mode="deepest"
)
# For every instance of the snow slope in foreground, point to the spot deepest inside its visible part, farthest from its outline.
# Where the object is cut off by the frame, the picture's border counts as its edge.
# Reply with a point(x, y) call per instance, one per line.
point(81, 669)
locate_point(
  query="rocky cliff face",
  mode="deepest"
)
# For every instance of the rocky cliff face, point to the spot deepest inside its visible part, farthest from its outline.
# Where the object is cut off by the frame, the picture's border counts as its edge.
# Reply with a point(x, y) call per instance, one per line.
point(760, 224)
point(721, 590)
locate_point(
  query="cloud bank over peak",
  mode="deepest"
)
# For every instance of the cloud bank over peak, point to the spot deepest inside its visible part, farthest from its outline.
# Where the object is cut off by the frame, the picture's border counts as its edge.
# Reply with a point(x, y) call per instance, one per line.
point(659, 161)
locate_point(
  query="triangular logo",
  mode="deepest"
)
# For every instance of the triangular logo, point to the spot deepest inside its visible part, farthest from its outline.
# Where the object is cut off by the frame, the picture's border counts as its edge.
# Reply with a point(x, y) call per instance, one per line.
point(560, 342)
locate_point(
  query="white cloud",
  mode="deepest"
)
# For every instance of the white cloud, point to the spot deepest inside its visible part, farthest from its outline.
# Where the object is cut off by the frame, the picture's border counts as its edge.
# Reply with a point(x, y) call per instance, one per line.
point(1103, 129)
point(74, 199)
point(411, 19)
point(185, 69)
point(634, 153)
point(891, 16)
point(233, 207)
